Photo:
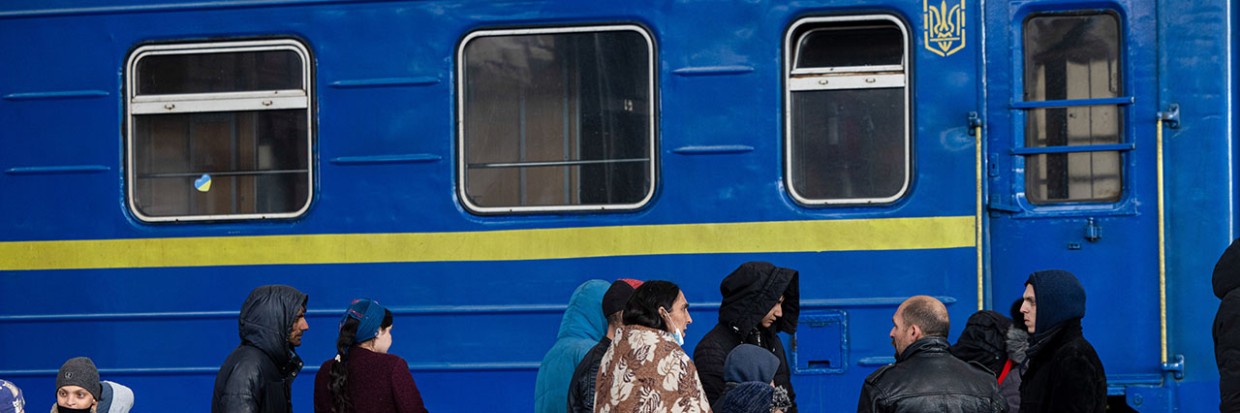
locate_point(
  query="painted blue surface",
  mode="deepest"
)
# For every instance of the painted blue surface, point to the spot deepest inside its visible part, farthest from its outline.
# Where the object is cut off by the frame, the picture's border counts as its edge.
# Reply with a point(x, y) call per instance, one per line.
point(384, 76)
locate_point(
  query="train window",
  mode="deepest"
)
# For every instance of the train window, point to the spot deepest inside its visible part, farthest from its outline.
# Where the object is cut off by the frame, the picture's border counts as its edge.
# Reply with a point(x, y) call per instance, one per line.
point(219, 131)
point(556, 119)
point(1073, 61)
point(847, 110)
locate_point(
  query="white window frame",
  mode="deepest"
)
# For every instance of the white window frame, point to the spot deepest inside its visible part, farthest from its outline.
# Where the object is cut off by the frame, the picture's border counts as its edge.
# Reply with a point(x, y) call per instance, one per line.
point(137, 105)
point(845, 78)
point(462, 186)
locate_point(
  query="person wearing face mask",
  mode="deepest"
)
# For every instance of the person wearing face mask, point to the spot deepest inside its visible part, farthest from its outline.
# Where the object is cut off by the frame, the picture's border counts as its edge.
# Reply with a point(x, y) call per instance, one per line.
point(646, 369)
point(363, 377)
point(79, 390)
point(759, 300)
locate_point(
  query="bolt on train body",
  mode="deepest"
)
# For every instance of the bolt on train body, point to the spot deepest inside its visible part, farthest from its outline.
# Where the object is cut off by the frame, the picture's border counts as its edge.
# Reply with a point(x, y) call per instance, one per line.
point(469, 163)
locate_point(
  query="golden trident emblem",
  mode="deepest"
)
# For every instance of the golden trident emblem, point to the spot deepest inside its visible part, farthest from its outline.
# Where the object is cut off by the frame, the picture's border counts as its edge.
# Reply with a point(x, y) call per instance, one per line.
point(943, 27)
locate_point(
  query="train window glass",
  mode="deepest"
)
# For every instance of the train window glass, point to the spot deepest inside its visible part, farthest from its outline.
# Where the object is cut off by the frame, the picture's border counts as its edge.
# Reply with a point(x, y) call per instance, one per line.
point(219, 72)
point(1073, 58)
point(219, 131)
point(557, 119)
point(847, 110)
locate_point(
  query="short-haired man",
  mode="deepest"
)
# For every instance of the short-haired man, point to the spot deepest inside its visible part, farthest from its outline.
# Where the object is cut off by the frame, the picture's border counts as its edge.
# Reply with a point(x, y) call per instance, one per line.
point(1064, 373)
point(258, 375)
point(581, 388)
point(926, 377)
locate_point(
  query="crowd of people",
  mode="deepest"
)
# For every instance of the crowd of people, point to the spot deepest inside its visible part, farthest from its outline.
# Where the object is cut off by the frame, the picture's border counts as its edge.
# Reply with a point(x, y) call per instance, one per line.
point(1036, 361)
point(620, 349)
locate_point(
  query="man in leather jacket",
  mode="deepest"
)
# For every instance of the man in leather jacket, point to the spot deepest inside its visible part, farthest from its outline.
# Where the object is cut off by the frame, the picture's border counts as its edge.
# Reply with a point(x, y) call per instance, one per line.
point(925, 376)
point(257, 376)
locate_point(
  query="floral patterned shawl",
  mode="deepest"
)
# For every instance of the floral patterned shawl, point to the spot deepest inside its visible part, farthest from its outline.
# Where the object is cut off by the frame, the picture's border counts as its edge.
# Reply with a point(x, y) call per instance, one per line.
point(645, 371)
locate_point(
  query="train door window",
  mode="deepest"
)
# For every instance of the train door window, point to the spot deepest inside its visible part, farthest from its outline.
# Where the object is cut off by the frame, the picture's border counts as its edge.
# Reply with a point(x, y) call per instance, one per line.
point(219, 131)
point(1073, 106)
point(847, 110)
point(556, 119)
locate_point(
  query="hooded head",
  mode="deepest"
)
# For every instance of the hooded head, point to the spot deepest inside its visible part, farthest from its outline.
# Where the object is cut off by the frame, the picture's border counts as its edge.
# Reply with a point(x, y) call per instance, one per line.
point(1227, 270)
point(1059, 297)
point(267, 319)
point(583, 319)
point(984, 340)
point(748, 362)
point(752, 290)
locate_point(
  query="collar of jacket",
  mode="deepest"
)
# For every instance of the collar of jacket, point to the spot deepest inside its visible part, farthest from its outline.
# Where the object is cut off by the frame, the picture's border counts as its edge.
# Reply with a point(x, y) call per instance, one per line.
point(924, 345)
point(1053, 338)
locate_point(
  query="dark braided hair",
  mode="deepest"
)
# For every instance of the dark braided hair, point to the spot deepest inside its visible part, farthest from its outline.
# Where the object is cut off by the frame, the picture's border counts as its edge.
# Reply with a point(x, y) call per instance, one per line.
point(340, 370)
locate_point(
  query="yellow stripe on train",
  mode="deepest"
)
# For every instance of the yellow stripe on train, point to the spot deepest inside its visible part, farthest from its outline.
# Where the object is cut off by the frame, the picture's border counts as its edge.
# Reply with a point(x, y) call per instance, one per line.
point(507, 245)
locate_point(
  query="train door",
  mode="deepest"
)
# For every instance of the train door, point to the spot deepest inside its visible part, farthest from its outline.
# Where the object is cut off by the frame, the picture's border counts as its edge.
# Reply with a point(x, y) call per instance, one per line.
point(1071, 167)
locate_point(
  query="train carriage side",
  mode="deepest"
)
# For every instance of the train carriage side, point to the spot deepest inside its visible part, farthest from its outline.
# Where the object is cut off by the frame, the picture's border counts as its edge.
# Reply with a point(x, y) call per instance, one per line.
point(468, 164)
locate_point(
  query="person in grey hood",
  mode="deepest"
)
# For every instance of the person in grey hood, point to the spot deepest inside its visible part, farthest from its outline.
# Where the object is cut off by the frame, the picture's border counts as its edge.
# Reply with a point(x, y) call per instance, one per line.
point(258, 375)
point(1226, 280)
point(759, 300)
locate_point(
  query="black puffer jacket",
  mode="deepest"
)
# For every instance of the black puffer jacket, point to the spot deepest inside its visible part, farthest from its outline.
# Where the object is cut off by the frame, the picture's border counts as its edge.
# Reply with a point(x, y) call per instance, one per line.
point(927, 378)
point(1227, 327)
point(749, 293)
point(257, 376)
point(1064, 374)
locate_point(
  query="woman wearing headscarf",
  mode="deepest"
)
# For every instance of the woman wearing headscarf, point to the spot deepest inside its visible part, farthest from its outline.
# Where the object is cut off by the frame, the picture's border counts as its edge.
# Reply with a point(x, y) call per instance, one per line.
point(363, 378)
point(646, 369)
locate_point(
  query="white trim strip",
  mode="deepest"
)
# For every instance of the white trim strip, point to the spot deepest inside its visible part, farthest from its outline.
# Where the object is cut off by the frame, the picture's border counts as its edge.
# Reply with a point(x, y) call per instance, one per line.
point(845, 82)
point(219, 105)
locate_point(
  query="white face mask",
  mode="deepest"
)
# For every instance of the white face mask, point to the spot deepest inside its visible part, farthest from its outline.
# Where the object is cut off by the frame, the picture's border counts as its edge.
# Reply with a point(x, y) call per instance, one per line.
point(677, 333)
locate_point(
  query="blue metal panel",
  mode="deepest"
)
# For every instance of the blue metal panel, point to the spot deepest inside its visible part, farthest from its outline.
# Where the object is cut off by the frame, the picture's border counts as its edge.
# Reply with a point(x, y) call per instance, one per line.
point(384, 75)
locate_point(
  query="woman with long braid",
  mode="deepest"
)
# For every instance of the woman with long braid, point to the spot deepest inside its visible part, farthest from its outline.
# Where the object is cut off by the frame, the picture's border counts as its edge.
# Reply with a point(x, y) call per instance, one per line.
point(363, 378)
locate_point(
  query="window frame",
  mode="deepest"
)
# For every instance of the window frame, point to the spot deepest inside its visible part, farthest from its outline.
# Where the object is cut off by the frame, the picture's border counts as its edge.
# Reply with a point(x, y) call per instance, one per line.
point(1022, 108)
point(190, 103)
point(883, 79)
point(652, 122)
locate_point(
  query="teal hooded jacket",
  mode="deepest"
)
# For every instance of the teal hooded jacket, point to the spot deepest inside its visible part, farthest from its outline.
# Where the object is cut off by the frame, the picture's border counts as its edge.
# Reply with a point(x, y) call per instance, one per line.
point(582, 327)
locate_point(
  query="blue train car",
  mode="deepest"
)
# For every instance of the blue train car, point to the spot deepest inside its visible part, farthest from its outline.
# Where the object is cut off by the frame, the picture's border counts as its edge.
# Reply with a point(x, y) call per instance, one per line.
point(470, 163)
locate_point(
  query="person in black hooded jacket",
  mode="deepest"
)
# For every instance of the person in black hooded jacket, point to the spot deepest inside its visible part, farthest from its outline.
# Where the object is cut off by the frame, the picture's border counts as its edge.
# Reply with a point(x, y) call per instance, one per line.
point(1226, 282)
point(984, 340)
point(1064, 373)
point(759, 300)
point(257, 376)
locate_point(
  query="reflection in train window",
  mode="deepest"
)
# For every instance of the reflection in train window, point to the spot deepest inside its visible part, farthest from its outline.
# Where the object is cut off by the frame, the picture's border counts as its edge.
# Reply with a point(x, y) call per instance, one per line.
point(556, 119)
point(1073, 59)
point(847, 110)
point(219, 131)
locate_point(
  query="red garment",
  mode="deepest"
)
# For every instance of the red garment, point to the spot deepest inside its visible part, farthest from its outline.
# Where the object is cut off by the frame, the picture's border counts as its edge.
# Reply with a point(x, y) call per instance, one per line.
point(378, 383)
point(1007, 367)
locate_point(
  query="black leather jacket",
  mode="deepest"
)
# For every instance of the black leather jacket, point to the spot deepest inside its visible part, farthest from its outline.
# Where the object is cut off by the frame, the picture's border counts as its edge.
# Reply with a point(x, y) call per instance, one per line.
point(257, 376)
point(927, 378)
point(581, 388)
